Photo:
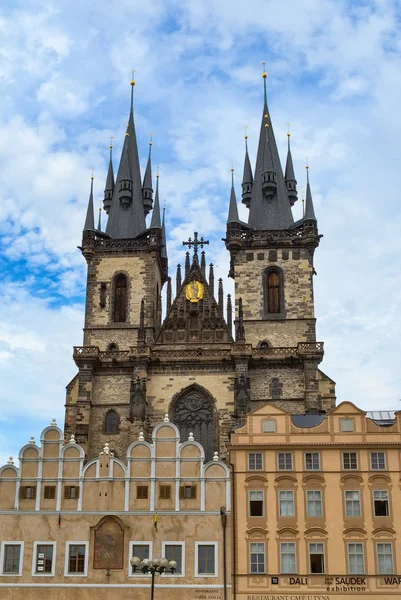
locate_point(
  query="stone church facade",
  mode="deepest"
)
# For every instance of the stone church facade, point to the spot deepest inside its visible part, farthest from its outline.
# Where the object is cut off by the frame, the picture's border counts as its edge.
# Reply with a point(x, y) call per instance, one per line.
point(207, 363)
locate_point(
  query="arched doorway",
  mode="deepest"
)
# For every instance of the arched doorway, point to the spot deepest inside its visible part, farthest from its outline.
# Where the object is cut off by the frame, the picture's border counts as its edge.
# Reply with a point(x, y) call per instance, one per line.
point(193, 411)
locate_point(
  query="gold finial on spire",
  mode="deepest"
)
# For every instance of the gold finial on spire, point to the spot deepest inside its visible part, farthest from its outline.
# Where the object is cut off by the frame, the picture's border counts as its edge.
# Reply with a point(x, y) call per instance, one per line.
point(157, 171)
point(111, 141)
point(132, 82)
point(264, 74)
point(246, 131)
point(307, 163)
point(288, 132)
point(151, 138)
point(164, 205)
point(92, 175)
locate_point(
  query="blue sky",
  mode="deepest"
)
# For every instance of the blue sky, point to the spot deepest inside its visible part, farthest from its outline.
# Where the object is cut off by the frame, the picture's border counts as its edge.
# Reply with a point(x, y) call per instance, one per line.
point(65, 68)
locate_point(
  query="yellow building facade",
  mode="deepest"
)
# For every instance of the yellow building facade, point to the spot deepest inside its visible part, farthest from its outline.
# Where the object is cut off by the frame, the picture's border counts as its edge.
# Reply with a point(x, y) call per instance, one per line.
point(70, 528)
point(316, 506)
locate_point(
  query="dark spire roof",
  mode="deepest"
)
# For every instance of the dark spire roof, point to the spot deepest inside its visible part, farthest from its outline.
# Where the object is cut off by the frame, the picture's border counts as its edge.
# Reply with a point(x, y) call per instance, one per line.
point(233, 208)
point(155, 222)
point(270, 206)
point(147, 190)
point(90, 217)
point(247, 178)
point(290, 180)
point(109, 189)
point(164, 241)
point(309, 210)
point(127, 216)
point(99, 222)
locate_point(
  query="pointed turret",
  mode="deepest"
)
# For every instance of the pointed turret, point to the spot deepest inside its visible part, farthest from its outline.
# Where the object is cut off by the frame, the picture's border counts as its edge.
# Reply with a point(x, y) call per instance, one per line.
point(203, 263)
point(90, 216)
point(109, 189)
point(155, 222)
point(233, 208)
point(247, 179)
point(169, 294)
point(178, 280)
point(99, 222)
point(270, 206)
point(187, 263)
point(164, 241)
point(309, 210)
point(127, 216)
point(147, 190)
point(229, 314)
point(290, 180)
point(211, 279)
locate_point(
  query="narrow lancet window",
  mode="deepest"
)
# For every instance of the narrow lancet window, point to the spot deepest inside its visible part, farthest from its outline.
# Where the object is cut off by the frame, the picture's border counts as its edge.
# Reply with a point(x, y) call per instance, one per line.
point(111, 424)
point(273, 292)
point(120, 299)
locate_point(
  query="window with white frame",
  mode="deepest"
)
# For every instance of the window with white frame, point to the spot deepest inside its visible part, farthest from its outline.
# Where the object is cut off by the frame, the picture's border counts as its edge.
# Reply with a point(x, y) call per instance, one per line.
point(256, 502)
point(347, 425)
point(76, 559)
point(255, 461)
point(206, 560)
point(11, 558)
point(288, 557)
point(284, 461)
point(312, 461)
point(316, 557)
point(269, 426)
point(314, 506)
point(350, 461)
point(175, 551)
point(352, 503)
point(286, 503)
point(356, 562)
point(385, 563)
point(257, 557)
point(378, 461)
point(140, 549)
point(44, 559)
point(381, 506)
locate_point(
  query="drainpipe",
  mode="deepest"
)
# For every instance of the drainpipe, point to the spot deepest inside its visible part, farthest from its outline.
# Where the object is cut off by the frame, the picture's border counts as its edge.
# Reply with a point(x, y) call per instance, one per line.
point(234, 531)
point(224, 525)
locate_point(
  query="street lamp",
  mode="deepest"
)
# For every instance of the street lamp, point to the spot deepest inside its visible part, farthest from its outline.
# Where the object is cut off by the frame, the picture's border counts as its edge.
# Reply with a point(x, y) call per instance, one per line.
point(158, 565)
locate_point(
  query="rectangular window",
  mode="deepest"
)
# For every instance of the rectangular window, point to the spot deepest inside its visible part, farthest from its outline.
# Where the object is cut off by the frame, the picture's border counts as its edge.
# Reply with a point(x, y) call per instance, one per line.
point(384, 558)
point(49, 492)
point(71, 492)
point(378, 461)
point(288, 557)
point(269, 426)
point(312, 461)
point(314, 503)
point(174, 551)
point(28, 492)
point(352, 503)
point(142, 492)
point(255, 461)
point(165, 492)
point(356, 563)
point(257, 557)
point(346, 425)
point(316, 557)
point(141, 551)
point(350, 461)
point(12, 558)
point(256, 503)
point(286, 502)
point(206, 559)
point(44, 559)
point(284, 461)
point(76, 558)
point(381, 503)
point(188, 492)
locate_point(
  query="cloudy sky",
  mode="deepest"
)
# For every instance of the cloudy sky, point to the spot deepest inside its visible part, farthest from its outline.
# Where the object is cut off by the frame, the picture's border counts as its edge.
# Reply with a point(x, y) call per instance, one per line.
point(334, 75)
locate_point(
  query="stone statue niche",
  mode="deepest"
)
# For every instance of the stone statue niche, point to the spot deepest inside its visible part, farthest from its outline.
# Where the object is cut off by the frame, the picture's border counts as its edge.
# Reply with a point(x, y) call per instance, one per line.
point(138, 403)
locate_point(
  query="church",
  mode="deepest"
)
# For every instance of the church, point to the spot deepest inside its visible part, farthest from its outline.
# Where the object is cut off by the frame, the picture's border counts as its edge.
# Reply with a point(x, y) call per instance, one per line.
point(199, 430)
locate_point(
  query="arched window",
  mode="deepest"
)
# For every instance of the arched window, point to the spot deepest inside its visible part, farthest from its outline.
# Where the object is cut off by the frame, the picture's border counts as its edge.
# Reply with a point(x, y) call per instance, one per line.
point(112, 348)
point(275, 388)
point(120, 299)
point(111, 422)
point(273, 292)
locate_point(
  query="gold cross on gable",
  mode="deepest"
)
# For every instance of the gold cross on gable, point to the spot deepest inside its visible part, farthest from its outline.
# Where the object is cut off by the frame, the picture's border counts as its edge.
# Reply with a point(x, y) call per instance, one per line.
point(195, 243)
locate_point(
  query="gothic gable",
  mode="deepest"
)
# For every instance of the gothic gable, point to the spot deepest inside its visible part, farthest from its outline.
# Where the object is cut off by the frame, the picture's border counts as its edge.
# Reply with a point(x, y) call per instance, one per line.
point(194, 316)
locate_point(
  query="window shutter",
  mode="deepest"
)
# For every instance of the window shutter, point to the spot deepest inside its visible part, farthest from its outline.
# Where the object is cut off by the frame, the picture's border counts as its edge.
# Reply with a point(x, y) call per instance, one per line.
point(182, 492)
point(66, 491)
point(22, 492)
point(193, 491)
point(76, 491)
point(33, 492)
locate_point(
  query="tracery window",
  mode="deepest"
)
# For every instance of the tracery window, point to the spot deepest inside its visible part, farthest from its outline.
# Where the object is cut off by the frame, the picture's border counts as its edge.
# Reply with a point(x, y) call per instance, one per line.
point(120, 299)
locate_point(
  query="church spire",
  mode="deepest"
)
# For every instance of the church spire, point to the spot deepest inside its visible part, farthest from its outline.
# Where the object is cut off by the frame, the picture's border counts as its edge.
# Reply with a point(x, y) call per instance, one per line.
point(290, 180)
point(155, 222)
point(127, 216)
point(164, 241)
point(109, 189)
point(270, 206)
point(309, 210)
point(147, 190)
point(247, 179)
point(233, 209)
point(90, 216)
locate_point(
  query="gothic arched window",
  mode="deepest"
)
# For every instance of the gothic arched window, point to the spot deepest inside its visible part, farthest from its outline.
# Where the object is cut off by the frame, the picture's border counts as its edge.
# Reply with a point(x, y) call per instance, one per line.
point(111, 422)
point(273, 292)
point(193, 412)
point(120, 299)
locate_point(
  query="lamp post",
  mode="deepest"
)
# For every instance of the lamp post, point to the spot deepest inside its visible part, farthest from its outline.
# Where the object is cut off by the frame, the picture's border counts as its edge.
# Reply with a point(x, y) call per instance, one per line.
point(158, 565)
